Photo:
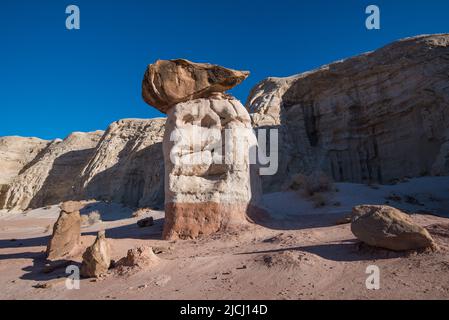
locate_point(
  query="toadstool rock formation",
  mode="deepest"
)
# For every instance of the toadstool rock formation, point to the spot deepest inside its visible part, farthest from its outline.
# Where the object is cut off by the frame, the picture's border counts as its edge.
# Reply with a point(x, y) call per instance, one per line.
point(206, 145)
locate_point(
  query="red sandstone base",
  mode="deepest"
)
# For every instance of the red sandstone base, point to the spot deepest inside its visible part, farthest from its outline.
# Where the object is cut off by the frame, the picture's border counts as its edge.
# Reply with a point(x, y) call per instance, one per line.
point(193, 220)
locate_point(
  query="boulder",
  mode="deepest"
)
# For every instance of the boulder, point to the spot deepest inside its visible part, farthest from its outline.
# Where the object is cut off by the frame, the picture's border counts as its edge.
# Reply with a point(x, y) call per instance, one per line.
point(96, 258)
point(140, 257)
point(168, 82)
point(389, 228)
point(66, 235)
point(145, 222)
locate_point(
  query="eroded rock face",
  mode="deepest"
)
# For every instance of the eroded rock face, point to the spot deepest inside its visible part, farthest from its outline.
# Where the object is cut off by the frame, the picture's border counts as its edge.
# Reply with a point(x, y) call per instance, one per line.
point(50, 177)
point(123, 165)
point(376, 117)
point(209, 187)
point(96, 258)
point(168, 82)
point(127, 166)
point(66, 232)
point(16, 153)
point(389, 228)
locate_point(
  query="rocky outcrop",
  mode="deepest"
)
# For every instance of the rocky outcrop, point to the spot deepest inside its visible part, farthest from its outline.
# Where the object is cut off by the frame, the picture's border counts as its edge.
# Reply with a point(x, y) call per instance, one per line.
point(66, 232)
point(16, 153)
point(168, 82)
point(389, 228)
point(96, 258)
point(123, 165)
point(50, 177)
point(376, 117)
point(127, 166)
point(206, 145)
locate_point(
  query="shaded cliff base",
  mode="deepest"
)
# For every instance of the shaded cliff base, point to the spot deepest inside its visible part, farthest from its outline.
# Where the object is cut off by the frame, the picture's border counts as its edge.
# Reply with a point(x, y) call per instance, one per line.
point(297, 252)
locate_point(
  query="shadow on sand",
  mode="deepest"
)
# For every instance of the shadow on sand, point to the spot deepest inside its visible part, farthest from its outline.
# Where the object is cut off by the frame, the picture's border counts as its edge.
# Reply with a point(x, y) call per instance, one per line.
point(346, 251)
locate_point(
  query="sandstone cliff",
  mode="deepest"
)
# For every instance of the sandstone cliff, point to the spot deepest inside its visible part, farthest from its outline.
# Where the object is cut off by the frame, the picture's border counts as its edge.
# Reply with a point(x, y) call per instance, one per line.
point(123, 164)
point(15, 153)
point(376, 117)
point(49, 177)
point(127, 165)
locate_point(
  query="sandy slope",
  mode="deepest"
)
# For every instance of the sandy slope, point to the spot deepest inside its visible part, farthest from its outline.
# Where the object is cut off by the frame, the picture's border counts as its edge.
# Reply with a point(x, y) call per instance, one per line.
point(290, 255)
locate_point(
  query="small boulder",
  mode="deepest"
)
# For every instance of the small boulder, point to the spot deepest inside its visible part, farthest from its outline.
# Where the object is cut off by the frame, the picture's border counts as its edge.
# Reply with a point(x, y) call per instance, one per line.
point(66, 235)
point(96, 258)
point(389, 228)
point(146, 222)
point(140, 257)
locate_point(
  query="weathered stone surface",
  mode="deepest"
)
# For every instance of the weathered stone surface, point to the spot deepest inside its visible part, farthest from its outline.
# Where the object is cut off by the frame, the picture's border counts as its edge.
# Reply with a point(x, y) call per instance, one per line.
point(123, 165)
point(389, 228)
point(66, 236)
point(127, 166)
point(16, 153)
point(96, 258)
point(208, 187)
point(141, 257)
point(168, 82)
point(376, 117)
point(72, 206)
point(50, 177)
point(193, 220)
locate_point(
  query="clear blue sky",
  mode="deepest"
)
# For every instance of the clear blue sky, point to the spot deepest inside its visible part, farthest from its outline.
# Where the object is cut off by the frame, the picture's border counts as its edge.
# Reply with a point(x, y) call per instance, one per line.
point(54, 81)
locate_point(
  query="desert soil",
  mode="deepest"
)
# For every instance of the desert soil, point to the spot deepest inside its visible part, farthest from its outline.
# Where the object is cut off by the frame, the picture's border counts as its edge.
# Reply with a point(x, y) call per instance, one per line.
point(296, 252)
point(283, 256)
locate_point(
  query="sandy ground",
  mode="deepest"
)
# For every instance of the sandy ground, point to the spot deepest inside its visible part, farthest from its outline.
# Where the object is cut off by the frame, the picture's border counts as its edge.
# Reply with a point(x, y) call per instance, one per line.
point(293, 254)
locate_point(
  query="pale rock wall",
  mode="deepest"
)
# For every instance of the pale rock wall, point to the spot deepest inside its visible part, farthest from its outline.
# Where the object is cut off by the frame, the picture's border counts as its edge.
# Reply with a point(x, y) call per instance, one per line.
point(377, 117)
point(49, 178)
point(127, 165)
point(123, 165)
point(15, 153)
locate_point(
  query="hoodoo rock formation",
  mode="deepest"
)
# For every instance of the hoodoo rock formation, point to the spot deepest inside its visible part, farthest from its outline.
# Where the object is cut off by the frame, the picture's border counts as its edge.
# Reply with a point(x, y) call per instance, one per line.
point(376, 117)
point(207, 140)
